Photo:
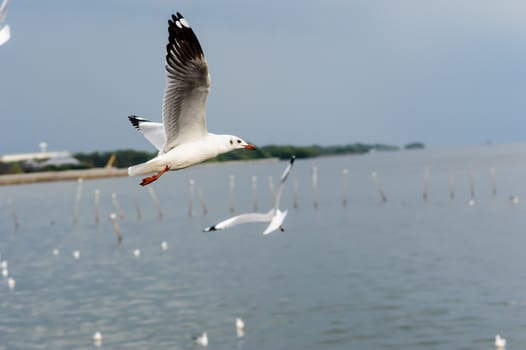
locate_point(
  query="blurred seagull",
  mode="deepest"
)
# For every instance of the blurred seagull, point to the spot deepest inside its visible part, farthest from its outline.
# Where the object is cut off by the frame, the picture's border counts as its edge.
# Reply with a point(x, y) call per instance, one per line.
point(11, 283)
point(202, 339)
point(240, 327)
point(5, 31)
point(275, 215)
point(182, 138)
point(500, 342)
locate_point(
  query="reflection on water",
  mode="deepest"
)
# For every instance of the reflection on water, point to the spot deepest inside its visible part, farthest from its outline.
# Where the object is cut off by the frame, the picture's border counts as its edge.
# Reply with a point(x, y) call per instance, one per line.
point(406, 273)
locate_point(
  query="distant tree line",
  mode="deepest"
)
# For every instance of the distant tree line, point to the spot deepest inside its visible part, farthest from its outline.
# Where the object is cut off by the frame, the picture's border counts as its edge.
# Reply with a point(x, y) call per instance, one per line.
point(128, 157)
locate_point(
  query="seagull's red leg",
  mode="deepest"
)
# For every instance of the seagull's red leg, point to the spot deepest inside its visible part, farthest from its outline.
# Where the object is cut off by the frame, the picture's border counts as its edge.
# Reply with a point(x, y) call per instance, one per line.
point(150, 179)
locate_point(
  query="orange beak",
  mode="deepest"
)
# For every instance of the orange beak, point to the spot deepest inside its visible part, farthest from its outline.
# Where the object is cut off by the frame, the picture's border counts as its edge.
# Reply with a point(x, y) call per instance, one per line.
point(250, 146)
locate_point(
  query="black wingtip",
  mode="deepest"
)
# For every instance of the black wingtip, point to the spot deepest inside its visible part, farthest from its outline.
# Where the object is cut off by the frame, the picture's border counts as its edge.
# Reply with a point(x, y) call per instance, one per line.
point(292, 159)
point(211, 228)
point(136, 121)
point(183, 45)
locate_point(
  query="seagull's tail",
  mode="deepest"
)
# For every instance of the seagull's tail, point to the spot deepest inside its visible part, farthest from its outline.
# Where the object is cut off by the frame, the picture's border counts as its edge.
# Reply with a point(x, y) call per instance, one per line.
point(143, 169)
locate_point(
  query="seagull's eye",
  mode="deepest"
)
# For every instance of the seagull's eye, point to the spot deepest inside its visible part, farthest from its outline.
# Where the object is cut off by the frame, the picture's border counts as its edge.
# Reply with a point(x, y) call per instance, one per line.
point(238, 141)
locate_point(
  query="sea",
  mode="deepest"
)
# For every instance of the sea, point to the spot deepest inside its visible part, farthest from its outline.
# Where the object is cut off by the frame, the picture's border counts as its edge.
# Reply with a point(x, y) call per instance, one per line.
point(438, 262)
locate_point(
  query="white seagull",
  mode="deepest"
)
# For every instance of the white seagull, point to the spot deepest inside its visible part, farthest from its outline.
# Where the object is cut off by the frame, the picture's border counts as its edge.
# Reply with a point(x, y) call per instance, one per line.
point(5, 31)
point(182, 138)
point(500, 343)
point(275, 216)
point(202, 339)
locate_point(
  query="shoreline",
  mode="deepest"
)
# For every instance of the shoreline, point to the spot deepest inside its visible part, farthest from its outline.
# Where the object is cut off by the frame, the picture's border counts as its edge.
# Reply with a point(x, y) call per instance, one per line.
point(66, 175)
point(93, 173)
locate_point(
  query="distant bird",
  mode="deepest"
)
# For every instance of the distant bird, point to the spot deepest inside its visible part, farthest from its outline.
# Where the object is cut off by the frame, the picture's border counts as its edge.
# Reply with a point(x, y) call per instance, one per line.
point(202, 339)
point(164, 246)
point(76, 254)
point(55, 252)
point(514, 199)
point(97, 336)
point(500, 342)
point(275, 216)
point(240, 324)
point(240, 327)
point(137, 252)
point(11, 283)
point(5, 30)
point(97, 339)
point(182, 139)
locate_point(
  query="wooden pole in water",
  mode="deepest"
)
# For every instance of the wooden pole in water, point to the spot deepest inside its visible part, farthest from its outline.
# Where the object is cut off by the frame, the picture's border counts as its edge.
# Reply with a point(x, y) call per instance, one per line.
point(452, 186)
point(191, 184)
point(471, 186)
point(117, 205)
point(315, 186)
point(156, 202)
point(493, 182)
point(97, 206)
point(295, 187)
point(202, 201)
point(345, 176)
point(137, 208)
point(77, 200)
point(426, 184)
point(116, 227)
point(376, 183)
point(471, 191)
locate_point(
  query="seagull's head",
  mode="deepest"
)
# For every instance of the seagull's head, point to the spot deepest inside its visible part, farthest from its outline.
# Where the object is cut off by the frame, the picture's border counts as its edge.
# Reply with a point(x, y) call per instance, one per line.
point(235, 142)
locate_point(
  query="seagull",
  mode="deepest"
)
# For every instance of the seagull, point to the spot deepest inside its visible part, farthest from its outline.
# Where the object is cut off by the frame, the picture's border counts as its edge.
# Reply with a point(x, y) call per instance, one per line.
point(240, 324)
point(97, 339)
point(240, 327)
point(275, 216)
point(202, 339)
point(11, 283)
point(500, 343)
point(5, 31)
point(182, 138)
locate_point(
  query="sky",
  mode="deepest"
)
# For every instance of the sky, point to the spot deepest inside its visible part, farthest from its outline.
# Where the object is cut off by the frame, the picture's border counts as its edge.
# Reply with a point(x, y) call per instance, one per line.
point(300, 72)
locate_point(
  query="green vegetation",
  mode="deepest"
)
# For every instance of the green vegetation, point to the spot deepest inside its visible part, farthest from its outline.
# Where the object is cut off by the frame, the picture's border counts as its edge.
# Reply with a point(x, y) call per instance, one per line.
point(126, 158)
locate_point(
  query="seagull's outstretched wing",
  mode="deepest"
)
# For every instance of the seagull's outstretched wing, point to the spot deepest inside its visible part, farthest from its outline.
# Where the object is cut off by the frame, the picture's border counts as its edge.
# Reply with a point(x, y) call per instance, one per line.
point(3, 10)
point(187, 85)
point(5, 34)
point(284, 177)
point(152, 131)
point(241, 219)
point(5, 31)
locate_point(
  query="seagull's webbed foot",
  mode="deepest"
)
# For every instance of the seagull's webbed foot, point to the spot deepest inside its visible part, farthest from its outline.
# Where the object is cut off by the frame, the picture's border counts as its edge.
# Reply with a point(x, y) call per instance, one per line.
point(150, 179)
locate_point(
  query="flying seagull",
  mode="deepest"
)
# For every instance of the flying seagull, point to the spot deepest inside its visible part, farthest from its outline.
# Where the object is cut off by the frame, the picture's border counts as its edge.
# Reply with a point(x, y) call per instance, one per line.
point(182, 139)
point(5, 31)
point(275, 216)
